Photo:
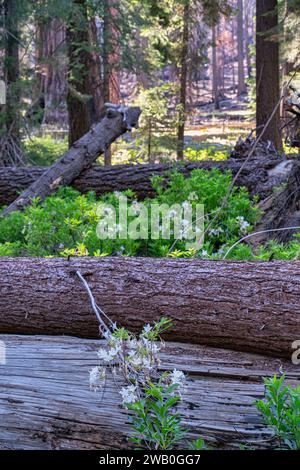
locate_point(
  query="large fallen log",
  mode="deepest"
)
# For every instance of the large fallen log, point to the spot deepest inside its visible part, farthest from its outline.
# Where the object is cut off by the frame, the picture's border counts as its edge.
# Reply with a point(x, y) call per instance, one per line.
point(246, 306)
point(45, 401)
point(79, 157)
point(276, 182)
point(258, 176)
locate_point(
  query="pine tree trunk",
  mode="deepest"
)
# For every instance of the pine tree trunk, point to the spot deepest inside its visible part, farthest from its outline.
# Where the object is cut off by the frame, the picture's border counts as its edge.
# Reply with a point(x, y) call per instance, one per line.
point(51, 38)
point(82, 106)
point(215, 69)
point(247, 38)
point(267, 70)
point(183, 81)
point(10, 152)
point(240, 43)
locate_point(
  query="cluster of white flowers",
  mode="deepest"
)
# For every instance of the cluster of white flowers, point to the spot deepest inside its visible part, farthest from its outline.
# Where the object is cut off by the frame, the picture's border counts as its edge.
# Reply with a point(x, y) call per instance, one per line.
point(97, 378)
point(129, 394)
point(137, 358)
point(177, 377)
point(243, 224)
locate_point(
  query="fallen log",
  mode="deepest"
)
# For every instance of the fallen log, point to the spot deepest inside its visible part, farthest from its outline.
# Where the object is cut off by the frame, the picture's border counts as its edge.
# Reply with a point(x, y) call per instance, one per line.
point(101, 179)
point(245, 306)
point(79, 157)
point(45, 401)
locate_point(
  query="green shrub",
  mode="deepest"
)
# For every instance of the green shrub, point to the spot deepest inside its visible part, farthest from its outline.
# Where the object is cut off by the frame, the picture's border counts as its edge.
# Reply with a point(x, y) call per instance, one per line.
point(65, 224)
point(281, 411)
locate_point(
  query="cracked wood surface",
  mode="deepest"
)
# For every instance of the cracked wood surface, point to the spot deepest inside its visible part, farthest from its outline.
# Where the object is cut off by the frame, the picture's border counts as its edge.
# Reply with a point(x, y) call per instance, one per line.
point(45, 401)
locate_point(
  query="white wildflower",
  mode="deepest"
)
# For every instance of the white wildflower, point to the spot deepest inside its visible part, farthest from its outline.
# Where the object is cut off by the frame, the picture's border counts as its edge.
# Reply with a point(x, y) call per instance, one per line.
point(97, 378)
point(147, 328)
point(204, 253)
point(132, 343)
point(110, 354)
point(147, 363)
point(177, 377)
point(243, 224)
point(129, 394)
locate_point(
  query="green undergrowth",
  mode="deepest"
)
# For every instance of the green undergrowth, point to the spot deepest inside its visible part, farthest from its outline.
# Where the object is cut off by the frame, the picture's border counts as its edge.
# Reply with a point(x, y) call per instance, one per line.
point(66, 222)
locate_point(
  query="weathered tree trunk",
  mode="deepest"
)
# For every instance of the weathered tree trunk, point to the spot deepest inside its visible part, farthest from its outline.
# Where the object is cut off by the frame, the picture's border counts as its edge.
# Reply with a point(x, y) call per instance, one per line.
point(46, 403)
point(245, 306)
point(79, 157)
point(267, 70)
point(183, 80)
point(240, 44)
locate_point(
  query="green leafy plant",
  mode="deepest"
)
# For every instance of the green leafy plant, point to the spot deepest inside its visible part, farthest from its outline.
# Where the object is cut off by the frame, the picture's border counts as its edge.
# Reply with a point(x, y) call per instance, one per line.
point(65, 223)
point(281, 411)
point(149, 395)
point(155, 423)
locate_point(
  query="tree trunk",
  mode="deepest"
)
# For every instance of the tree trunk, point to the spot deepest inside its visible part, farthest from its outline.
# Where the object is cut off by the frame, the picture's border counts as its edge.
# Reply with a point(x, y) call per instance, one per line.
point(244, 306)
point(78, 158)
point(111, 58)
point(255, 177)
point(51, 38)
point(259, 176)
point(248, 14)
point(46, 402)
point(10, 151)
point(183, 81)
point(215, 69)
point(267, 70)
point(83, 94)
point(240, 44)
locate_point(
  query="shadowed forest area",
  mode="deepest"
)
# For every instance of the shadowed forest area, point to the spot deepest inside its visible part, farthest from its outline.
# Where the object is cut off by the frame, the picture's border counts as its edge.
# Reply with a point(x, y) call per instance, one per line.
point(149, 189)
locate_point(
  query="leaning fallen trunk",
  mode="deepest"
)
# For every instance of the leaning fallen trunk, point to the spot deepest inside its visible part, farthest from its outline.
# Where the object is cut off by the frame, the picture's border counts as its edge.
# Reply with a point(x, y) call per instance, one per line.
point(246, 306)
point(79, 157)
point(46, 403)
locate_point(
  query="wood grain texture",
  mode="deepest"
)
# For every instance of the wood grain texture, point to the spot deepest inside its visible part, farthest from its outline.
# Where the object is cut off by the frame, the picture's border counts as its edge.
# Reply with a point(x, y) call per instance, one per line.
point(45, 401)
point(246, 306)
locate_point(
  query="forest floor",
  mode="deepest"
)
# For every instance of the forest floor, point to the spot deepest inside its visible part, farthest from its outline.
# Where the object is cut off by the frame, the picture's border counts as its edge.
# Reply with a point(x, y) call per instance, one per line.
point(223, 126)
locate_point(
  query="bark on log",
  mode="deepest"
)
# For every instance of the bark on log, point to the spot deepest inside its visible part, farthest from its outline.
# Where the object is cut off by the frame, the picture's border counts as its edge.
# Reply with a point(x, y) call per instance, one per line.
point(255, 177)
point(45, 401)
point(79, 157)
point(245, 306)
